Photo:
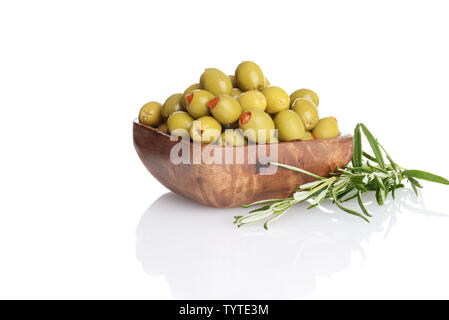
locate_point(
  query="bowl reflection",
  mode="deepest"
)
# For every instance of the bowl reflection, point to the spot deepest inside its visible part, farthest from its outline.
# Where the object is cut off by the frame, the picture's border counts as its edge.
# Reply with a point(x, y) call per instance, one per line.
point(202, 255)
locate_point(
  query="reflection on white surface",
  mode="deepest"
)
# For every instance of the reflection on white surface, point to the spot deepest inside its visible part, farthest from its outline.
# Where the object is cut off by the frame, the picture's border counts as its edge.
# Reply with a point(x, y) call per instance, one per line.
point(202, 254)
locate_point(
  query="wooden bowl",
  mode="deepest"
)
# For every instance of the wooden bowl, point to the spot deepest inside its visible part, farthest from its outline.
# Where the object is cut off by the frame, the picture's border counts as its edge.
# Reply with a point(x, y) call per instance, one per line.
point(233, 185)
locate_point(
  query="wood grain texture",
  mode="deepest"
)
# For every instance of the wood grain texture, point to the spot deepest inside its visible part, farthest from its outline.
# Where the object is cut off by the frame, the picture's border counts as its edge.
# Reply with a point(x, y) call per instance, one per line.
point(232, 185)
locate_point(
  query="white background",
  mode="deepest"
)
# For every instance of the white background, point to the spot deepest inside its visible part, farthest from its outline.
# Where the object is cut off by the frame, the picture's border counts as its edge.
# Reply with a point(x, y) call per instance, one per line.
point(80, 217)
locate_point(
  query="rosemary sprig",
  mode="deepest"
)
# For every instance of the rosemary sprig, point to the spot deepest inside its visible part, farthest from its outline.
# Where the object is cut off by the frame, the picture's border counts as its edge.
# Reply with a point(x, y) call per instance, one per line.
point(367, 173)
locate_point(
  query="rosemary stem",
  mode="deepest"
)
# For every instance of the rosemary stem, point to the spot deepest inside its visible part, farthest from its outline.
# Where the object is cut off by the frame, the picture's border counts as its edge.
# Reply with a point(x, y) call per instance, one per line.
point(286, 166)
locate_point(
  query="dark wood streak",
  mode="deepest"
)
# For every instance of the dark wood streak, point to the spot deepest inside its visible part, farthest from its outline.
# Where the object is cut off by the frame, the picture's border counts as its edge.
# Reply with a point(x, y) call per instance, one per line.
point(232, 185)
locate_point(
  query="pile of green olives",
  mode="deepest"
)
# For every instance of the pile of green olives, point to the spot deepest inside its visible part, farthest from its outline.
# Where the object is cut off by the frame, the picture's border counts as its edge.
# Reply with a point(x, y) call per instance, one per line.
point(232, 110)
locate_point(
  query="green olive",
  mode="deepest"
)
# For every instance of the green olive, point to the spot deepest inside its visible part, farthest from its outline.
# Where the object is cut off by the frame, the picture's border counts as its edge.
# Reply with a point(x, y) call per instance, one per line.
point(179, 123)
point(289, 125)
point(197, 103)
point(232, 138)
point(273, 139)
point(150, 114)
point(233, 81)
point(163, 127)
point(216, 82)
point(307, 111)
point(249, 76)
point(307, 136)
point(172, 104)
point(225, 109)
point(305, 94)
point(189, 90)
point(253, 99)
point(326, 128)
point(277, 99)
point(257, 126)
point(235, 93)
point(205, 130)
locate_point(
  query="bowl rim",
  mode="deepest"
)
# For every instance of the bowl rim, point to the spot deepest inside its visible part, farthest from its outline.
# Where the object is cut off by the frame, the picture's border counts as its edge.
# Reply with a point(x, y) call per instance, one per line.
point(342, 136)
